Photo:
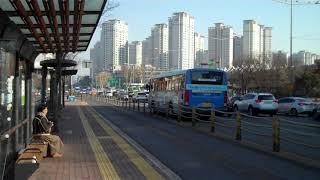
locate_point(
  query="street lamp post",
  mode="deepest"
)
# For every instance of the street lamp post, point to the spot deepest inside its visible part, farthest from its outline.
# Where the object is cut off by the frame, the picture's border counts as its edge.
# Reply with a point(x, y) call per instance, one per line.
point(291, 61)
point(297, 2)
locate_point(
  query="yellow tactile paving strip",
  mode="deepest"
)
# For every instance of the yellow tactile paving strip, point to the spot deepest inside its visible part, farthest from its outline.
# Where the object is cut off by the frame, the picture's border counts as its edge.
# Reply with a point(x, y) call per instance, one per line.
point(105, 165)
point(145, 168)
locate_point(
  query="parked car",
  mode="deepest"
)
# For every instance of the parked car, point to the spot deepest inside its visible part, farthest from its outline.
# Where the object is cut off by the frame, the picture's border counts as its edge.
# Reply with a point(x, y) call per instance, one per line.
point(123, 95)
point(109, 94)
point(231, 101)
point(295, 106)
point(140, 96)
point(255, 103)
point(130, 93)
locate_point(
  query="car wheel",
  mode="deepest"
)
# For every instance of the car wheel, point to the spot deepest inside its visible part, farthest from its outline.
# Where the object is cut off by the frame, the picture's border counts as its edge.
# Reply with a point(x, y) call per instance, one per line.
point(251, 111)
point(312, 113)
point(293, 112)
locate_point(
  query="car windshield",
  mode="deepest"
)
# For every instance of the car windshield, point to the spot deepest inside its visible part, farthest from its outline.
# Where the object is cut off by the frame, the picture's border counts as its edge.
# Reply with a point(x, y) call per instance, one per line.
point(301, 100)
point(235, 98)
point(141, 94)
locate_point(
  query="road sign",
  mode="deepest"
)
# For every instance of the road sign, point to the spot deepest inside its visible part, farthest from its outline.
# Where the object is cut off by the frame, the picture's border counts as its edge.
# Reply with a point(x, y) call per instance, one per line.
point(113, 82)
point(210, 63)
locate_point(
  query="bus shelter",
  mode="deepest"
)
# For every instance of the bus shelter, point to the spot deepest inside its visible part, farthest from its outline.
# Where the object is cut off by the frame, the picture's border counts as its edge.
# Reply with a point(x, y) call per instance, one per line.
point(27, 29)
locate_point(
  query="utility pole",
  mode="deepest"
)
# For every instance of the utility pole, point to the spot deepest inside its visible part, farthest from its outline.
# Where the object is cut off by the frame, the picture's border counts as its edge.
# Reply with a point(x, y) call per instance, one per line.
point(296, 2)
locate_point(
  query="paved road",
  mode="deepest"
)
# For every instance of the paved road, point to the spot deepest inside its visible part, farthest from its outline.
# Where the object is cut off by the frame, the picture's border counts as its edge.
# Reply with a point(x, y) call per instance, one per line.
point(195, 155)
point(295, 138)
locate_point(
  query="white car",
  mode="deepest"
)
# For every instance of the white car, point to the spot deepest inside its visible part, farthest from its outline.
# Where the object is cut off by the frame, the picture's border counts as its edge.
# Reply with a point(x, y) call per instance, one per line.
point(255, 103)
point(140, 96)
point(295, 106)
point(109, 94)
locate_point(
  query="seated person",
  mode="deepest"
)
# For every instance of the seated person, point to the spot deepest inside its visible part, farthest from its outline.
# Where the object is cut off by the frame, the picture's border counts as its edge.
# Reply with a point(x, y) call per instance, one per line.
point(42, 129)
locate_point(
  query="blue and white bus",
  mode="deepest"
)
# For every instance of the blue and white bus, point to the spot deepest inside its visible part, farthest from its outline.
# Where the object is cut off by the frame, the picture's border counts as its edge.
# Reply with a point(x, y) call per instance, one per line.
point(199, 87)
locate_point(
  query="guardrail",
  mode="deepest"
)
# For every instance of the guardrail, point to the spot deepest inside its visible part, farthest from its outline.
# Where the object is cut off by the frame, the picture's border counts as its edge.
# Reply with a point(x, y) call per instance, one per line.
point(275, 129)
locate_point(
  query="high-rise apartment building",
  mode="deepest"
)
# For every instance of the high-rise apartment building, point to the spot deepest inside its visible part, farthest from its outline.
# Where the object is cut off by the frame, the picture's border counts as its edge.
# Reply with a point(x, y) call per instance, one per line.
point(114, 39)
point(198, 49)
point(96, 58)
point(220, 45)
point(308, 59)
point(299, 58)
point(237, 50)
point(147, 51)
point(135, 53)
point(257, 40)
point(159, 38)
point(313, 58)
point(267, 43)
point(251, 39)
point(181, 41)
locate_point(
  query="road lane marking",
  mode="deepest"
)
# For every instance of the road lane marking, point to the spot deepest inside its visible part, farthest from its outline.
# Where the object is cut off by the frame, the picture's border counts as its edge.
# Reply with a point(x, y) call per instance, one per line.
point(105, 166)
point(144, 167)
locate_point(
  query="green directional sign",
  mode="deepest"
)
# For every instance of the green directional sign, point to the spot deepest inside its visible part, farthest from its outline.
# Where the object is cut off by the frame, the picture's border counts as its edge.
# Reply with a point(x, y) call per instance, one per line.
point(211, 63)
point(113, 82)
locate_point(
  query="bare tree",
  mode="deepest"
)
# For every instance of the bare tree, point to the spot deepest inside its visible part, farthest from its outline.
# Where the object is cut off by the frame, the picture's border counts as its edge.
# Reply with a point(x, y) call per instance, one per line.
point(111, 5)
point(102, 79)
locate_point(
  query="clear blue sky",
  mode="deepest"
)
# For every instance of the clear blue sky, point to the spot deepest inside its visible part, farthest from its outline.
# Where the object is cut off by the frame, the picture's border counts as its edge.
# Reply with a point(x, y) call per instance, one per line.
point(141, 15)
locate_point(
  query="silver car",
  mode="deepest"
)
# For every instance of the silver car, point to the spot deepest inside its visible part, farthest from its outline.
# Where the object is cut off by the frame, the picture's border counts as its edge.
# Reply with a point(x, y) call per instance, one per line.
point(255, 103)
point(295, 106)
point(140, 97)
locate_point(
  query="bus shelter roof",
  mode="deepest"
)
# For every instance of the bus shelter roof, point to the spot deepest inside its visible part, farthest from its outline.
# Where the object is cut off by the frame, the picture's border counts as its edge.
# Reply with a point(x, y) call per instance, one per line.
point(56, 25)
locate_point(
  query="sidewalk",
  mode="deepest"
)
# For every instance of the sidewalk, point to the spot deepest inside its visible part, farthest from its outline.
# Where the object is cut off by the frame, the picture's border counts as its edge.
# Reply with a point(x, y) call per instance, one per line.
point(94, 149)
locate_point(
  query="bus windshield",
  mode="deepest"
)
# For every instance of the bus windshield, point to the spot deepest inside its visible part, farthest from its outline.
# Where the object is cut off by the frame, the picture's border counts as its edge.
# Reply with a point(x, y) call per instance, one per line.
point(214, 78)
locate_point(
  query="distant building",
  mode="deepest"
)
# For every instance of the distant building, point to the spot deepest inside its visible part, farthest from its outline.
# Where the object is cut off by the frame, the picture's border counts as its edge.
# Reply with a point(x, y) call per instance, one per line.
point(198, 49)
point(147, 51)
point(84, 68)
point(220, 45)
point(307, 60)
point(204, 60)
point(135, 53)
point(114, 39)
point(257, 40)
point(299, 58)
point(159, 40)
point(313, 58)
point(267, 43)
point(181, 41)
point(97, 59)
point(280, 58)
point(237, 50)
point(304, 58)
